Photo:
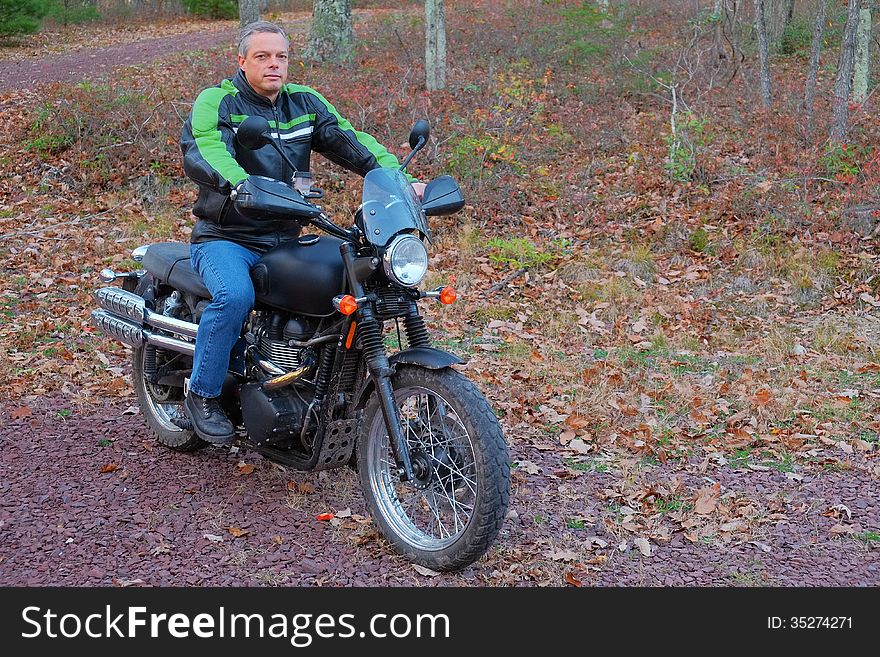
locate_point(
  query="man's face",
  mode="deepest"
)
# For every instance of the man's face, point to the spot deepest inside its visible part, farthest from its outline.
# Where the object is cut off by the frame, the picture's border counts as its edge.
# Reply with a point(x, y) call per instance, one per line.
point(265, 65)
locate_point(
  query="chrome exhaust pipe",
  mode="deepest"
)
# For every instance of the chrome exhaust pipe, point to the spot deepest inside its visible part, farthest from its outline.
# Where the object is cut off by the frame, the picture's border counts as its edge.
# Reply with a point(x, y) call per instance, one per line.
point(126, 332)
point(136, 336)
point(171, 344)
point(130, 306)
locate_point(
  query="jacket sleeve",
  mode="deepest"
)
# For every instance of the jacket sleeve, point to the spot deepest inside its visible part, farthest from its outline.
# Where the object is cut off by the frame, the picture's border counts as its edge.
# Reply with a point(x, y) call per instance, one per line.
point(339, 142)
point(207, 143)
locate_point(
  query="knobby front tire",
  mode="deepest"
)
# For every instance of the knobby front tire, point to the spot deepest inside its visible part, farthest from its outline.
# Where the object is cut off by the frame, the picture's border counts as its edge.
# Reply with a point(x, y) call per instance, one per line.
point(450, 515)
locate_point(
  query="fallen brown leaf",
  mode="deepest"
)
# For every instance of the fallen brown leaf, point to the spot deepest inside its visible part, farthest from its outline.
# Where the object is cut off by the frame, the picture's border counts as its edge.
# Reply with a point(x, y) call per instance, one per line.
point(20, 412)
point(707, 499)
point(110, 467)
point(427, 572)
point(571, 580)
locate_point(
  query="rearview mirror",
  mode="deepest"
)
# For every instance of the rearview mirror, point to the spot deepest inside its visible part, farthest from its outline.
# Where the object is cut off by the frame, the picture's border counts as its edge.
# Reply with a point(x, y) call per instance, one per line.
point(421, 130)
point(254, 133)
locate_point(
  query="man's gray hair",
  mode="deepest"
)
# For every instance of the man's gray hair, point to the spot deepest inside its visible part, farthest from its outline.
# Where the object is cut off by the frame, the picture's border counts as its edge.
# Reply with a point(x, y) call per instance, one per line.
point(244, 39)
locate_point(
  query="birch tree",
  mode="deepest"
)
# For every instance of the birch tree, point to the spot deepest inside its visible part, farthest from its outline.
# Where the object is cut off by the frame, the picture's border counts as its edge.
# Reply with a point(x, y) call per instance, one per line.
point(435, 45)
point(331, 38)
point(843, 84)
point(248, 11)
point(863, 54)
point(763, 52)
point(815, 50)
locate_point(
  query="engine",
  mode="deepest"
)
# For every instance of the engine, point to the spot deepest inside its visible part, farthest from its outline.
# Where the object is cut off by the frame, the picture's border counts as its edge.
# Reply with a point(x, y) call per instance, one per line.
point(276, 417)
point(273, 336)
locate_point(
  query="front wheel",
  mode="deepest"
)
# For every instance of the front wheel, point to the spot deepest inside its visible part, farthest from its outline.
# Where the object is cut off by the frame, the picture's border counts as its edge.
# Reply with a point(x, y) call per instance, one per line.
point(450, 514)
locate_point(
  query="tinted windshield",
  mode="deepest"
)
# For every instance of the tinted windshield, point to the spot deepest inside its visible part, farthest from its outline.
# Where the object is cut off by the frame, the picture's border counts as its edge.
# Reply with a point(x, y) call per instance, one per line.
point(390, 205)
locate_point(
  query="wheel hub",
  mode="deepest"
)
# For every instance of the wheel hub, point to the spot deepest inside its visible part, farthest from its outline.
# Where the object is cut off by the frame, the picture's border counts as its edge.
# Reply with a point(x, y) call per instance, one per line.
point(423, 473)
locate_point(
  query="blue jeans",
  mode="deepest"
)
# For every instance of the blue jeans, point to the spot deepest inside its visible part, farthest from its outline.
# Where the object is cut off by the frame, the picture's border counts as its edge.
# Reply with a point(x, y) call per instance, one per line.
point(225, 269)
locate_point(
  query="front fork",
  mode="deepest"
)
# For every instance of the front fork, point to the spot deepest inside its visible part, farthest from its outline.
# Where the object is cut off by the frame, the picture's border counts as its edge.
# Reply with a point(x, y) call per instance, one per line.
point(370, 330)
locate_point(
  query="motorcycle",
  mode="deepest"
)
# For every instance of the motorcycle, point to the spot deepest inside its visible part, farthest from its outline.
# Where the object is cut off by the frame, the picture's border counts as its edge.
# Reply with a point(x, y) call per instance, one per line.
point(310, 382)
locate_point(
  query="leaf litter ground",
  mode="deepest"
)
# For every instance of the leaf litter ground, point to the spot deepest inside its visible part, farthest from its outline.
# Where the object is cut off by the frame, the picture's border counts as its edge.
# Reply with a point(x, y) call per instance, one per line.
point(687, 372)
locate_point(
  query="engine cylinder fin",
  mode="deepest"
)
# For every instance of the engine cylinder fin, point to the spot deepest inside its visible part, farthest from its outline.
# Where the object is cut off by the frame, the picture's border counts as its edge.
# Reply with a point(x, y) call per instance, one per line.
point(278, 351)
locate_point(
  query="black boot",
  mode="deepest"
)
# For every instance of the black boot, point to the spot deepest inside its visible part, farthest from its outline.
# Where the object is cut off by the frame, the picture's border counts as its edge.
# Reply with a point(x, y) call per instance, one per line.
point(208, 418)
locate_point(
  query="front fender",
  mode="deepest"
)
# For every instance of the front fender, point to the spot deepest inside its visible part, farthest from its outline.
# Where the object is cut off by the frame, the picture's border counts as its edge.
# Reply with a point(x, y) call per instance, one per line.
point(427, 357)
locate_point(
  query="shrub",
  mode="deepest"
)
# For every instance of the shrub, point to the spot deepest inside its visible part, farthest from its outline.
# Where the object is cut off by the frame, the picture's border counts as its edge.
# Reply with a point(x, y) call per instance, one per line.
point(71, 11)
point(20, 17)
point(108, 132)
point(685, 145)
point(581, 35)
point(212, 8)
point(797, 37)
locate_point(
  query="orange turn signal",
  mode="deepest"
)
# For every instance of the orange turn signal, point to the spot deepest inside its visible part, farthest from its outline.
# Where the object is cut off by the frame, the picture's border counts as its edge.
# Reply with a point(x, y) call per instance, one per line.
point(348, 305)
point(448, 295)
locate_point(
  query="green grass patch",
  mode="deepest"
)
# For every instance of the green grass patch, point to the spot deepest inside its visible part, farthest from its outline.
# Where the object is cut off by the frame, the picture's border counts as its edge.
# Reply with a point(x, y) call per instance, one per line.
point(588, 465)
point(869, 537)
point(739, 460)
point(672, 504)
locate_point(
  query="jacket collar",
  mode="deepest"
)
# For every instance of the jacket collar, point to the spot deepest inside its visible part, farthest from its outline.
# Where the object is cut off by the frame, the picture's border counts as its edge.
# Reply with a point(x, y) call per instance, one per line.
point(246, 90)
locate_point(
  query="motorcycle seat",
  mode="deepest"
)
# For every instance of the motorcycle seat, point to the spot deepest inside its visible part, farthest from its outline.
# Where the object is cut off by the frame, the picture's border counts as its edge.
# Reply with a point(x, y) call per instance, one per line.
point(169, 262)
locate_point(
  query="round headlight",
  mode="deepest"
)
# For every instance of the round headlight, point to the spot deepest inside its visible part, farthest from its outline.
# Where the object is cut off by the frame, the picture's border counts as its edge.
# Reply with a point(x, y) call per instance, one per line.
point(406, 260)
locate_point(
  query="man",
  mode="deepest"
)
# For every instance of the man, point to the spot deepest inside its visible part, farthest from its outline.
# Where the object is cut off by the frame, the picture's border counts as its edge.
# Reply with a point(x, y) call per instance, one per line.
point(225, 245)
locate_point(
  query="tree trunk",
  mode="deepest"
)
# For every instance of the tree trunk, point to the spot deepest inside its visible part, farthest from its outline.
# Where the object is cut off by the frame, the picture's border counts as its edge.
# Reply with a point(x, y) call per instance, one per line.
point(248, 11)
point(843, 85)
point(718, 17)
point(863, 54)
point(763, 53)
point(810, 86)
point(331, 38)
point(435, 45)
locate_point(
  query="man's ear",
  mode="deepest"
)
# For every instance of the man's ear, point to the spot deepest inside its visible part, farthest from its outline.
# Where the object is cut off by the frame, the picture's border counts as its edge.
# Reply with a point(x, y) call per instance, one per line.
point(240, 61)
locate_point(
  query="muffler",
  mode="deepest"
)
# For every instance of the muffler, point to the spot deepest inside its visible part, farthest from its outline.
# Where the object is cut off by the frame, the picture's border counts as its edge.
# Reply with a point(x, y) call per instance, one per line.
point(130, 306)
point(124, 331)
point(133, 335)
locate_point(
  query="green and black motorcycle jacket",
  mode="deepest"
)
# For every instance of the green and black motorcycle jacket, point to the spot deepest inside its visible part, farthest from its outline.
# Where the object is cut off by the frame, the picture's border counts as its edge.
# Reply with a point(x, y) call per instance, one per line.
point(302, 121)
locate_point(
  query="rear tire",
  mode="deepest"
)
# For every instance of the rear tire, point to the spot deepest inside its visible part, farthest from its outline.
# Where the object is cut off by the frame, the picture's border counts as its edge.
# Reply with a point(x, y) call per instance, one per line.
point(451, 514)
point(161, 404)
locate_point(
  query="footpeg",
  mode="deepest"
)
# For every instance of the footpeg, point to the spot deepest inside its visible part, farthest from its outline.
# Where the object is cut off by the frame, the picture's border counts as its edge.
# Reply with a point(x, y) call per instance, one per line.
point(182, 423)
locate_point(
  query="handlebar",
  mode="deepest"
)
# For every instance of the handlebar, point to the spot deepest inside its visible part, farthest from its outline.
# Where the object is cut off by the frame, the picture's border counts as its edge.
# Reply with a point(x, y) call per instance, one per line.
point(326, 224)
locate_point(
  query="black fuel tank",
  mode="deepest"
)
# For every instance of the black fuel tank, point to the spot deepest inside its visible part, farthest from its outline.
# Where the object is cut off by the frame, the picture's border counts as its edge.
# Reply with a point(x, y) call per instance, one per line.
point(301, 276)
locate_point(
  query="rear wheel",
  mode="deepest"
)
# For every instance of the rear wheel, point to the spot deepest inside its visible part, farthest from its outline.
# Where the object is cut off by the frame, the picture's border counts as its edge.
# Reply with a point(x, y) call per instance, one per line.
point(161, 404)
point(451, 513)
